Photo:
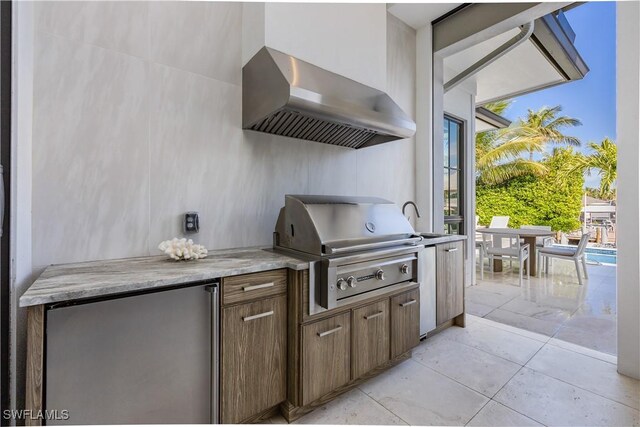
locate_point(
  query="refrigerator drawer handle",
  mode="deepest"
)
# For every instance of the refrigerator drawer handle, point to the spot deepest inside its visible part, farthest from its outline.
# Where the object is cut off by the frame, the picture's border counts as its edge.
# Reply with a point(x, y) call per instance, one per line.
point(373, 316)
point(254, 287)
point(405, 304)
point(258, 316)
point(329, 332)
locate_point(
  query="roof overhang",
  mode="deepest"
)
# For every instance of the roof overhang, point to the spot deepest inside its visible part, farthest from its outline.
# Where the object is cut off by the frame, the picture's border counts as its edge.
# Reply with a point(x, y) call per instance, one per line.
point(488, 120)
point(554, 37)
point(546, 59)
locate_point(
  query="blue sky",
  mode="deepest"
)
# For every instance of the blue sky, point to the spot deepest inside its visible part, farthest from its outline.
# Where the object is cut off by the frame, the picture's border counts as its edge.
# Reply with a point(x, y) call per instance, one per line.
point(592, 99)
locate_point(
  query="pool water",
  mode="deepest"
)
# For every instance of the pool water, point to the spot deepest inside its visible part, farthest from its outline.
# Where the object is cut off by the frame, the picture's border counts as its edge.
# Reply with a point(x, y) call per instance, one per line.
point(599, 255)
point(602, 255)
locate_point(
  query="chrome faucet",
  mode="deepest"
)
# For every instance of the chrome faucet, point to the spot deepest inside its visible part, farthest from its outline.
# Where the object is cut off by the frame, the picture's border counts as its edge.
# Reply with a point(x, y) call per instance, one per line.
point(414, 206)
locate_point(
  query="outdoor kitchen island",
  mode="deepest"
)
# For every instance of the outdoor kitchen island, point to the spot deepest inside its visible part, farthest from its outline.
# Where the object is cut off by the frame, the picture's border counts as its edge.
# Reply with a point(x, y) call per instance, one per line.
point(273, 355)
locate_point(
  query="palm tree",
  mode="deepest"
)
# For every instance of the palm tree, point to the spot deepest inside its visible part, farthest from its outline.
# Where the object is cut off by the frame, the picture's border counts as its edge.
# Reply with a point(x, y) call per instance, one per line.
point(499, 152)
point(543, 127)
point(498, 155)
point(603, 159)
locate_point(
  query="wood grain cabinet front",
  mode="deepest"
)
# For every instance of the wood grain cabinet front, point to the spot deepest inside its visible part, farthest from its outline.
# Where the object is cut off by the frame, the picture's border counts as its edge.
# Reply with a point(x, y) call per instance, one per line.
point(248, 287)
point(253, 358)
point(405, 322)
point(325, 356)
point(449, 281)
point(370, 337)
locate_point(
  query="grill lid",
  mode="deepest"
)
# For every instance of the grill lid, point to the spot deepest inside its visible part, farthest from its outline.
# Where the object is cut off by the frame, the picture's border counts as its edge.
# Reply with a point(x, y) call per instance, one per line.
point(326, 225)
point(285, 96)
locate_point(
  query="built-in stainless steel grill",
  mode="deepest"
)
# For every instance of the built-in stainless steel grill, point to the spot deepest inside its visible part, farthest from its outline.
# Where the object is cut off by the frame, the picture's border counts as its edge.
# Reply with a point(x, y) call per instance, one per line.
point(356, 245)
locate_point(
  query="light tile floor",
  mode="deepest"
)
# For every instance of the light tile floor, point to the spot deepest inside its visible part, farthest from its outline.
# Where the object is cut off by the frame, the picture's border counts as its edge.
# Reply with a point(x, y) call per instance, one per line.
point(491, 374)
point(553, 305)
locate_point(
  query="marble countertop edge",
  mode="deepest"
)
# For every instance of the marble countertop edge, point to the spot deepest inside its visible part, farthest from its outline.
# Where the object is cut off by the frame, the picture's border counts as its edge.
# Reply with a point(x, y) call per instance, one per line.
point(91, 279)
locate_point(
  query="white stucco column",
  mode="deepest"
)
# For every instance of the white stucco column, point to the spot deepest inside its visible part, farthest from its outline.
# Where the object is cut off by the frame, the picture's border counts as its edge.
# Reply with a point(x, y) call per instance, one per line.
point(628, 216)
point(424, 131)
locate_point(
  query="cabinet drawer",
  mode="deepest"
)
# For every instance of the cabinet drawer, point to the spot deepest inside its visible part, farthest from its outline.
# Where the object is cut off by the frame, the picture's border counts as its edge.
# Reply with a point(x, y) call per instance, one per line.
point(370, 337)
point(253, 358)
point(405, 322)
point(248, 287)
point(325, 356)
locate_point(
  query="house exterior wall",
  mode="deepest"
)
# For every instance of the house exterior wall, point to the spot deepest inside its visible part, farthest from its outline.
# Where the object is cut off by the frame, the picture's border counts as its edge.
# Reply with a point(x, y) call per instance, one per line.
point(460, 103)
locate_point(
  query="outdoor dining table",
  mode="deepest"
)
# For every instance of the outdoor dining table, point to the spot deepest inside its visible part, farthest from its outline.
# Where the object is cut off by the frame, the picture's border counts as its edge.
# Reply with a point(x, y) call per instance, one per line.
point(528, 234)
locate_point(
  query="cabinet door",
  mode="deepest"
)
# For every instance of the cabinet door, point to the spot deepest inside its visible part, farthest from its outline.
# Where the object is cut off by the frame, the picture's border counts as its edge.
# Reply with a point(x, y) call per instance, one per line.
point(370, 337)
point(405, 322)
point(325, 356)
point(449, 281)
point(253, 358)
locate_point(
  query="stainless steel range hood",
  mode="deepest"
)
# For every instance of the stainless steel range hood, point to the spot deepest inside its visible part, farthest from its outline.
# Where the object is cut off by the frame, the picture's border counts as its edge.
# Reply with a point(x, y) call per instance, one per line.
point(285, 96)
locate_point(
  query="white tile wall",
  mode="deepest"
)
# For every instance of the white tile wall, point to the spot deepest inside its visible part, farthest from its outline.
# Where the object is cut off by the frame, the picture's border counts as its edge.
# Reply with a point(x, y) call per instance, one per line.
point(90, 153)
point(137, 119)
point(202, 37)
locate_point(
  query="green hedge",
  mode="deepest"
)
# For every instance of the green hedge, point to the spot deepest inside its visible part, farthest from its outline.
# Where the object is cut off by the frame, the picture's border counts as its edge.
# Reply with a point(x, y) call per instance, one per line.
point(531, 200)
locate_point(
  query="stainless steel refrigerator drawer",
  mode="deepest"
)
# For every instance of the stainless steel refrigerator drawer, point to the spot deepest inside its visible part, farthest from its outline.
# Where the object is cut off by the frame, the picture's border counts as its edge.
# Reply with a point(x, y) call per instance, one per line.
point(137, 359)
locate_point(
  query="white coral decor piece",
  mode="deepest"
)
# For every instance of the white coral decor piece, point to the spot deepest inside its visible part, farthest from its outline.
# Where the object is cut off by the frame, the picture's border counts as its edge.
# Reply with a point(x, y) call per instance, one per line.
point(182, 249)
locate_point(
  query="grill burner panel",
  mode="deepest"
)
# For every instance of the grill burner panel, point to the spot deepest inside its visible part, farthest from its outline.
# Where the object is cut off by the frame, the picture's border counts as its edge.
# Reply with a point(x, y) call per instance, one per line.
point(349, 280)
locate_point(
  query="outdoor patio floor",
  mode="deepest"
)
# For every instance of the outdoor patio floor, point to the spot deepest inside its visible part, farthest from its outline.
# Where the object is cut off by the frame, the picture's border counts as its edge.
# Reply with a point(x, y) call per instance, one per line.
point(555, 305)
point(490, 374)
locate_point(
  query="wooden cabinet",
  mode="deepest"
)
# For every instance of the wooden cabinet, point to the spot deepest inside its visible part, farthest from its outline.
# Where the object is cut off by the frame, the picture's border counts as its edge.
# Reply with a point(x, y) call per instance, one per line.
point(325, 356)
point(253, 286)
point(449, 281)
point(405, 322)
point(253, 358)
point(332, 351)
point(370, 337)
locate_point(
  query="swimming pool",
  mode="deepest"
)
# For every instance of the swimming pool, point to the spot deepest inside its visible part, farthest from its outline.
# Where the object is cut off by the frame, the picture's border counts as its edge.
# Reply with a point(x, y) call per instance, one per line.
point(599, 255)
point(602, 255)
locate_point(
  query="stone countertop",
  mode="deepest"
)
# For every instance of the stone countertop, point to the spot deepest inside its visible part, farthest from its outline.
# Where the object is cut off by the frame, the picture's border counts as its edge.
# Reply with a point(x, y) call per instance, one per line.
point(68, 282)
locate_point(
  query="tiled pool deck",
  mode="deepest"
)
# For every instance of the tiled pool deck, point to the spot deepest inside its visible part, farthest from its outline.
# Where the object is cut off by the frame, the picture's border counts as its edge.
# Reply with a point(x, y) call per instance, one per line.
point(554, 305)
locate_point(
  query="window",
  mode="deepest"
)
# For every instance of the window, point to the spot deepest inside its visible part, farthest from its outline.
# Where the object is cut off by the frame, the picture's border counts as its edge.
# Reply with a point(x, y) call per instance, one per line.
point(453, 176)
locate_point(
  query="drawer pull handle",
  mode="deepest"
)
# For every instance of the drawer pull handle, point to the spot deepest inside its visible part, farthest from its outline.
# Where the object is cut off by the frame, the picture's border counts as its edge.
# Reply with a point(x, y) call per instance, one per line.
point(373, 316)
point(258, 316)
point(330, 331)
point(405, 304)
point(451, 250)
point(254, 287)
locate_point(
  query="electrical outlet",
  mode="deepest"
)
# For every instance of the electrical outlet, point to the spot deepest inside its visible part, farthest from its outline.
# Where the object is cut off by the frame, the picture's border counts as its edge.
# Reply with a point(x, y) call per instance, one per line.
point(191, 222)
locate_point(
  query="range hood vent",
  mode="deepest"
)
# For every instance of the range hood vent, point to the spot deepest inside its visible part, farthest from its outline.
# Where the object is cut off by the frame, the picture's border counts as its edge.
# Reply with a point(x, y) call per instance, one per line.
point(283, 95)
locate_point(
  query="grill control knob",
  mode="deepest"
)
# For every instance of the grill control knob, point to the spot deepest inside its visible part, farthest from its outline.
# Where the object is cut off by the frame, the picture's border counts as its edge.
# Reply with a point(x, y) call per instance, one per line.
point(351, 281)
point(404, 269)
point(380, 274)
point(342, 284)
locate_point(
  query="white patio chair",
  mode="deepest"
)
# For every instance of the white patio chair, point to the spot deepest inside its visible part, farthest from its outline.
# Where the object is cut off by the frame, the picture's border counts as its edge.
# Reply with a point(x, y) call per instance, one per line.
point(577, 255)
point(541, 242)
point(518, 251)
point(499, 222)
